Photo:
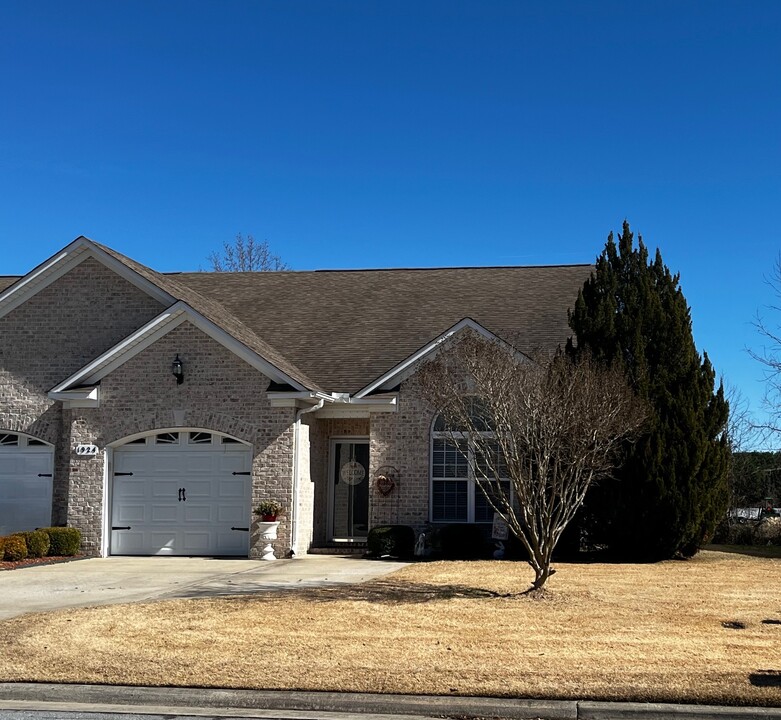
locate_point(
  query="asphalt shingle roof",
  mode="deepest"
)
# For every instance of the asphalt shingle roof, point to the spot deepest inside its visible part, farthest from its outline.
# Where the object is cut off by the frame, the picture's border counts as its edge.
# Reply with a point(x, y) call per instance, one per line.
point(339, 330)
point(219, 315)
point(345, 329)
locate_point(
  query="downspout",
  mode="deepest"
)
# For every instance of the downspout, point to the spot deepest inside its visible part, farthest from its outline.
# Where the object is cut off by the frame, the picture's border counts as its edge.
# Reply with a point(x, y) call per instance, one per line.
point(296, 441)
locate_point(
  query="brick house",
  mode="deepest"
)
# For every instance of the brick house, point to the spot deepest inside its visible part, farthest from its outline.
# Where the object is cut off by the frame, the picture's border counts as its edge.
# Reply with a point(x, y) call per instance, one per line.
point(294, 386)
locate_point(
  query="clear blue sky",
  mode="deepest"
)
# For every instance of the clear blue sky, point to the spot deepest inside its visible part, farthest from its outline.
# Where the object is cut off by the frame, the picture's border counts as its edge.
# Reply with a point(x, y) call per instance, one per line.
point(379, 134)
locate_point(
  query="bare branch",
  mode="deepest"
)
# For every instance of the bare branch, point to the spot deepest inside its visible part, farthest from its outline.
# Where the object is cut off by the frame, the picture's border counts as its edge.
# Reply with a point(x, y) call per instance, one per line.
point(246, 256)
point(770, 357)
point(550, 427)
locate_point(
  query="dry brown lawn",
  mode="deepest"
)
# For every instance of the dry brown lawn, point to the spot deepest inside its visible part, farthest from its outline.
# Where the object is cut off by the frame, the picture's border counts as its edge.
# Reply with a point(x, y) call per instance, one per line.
point(706, 630)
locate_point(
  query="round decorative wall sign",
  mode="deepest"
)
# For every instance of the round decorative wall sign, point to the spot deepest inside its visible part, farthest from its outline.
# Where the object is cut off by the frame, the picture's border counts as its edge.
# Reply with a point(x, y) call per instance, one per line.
point(352, 473)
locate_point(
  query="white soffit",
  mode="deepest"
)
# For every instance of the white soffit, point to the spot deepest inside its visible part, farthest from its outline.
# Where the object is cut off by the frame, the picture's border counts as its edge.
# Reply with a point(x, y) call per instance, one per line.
point(64, 261)
point(360, 407)
point(406, 367)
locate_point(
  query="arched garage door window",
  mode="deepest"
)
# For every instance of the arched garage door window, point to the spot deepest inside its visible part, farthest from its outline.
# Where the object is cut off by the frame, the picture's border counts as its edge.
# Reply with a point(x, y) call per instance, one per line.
point(181, 492)
point(26, 470)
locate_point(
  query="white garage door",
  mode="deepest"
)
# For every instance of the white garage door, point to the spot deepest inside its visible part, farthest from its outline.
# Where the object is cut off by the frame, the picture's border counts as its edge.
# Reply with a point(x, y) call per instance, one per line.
point(181, 493)
point(25, 483)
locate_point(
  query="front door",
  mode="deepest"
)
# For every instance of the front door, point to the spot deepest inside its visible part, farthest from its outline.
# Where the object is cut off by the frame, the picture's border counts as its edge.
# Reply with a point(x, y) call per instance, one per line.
point(349, 489)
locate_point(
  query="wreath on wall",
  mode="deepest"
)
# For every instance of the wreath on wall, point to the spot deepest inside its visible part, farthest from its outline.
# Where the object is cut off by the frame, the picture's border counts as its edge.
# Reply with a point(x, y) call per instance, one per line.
point(385, 479)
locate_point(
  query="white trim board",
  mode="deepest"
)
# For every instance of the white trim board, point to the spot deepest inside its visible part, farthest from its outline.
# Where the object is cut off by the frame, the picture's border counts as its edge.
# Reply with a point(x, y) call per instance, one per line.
point(406, 367)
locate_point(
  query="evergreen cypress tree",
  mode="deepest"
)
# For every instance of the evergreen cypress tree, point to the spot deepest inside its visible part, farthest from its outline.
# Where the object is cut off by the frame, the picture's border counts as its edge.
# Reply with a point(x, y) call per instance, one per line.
point(673, 487)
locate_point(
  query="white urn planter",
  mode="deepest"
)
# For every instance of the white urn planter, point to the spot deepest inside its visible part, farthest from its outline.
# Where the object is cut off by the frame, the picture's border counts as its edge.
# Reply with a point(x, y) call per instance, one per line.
point(268, 532)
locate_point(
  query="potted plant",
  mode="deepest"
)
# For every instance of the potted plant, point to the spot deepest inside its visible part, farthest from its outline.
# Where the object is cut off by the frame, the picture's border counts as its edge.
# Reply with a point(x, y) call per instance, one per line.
point(268, 510)
point(267, 527)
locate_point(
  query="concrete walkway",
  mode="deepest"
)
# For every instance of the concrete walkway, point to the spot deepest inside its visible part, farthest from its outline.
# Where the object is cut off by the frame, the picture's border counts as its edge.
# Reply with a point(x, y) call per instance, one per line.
point(106, 581)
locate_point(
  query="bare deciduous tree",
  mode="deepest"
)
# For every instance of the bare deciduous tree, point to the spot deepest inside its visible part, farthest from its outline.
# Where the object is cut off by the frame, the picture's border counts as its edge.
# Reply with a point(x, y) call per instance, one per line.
point(770, 357)
point(536, 433)
point(246, 256)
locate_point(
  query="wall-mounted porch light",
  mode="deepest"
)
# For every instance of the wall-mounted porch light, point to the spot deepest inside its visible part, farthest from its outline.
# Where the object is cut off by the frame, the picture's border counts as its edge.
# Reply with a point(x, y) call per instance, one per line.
point(178, 370)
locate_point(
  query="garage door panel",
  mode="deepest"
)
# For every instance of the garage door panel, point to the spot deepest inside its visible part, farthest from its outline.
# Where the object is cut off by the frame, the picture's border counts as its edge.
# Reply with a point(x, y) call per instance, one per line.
point(168, 514)
point(129, 543)
point(232, 488)
point(234, 514)
point(233, 462)
point(198, 488)
point(160, 489)
point(167, 464)
point(128, 513)
point(164, 543)
point(199, 542)
point(232, 542)
point(130, 489)
point(199, 463)
point(199, 513)
point(161, 524)
point(25, 463)
point(25, 489)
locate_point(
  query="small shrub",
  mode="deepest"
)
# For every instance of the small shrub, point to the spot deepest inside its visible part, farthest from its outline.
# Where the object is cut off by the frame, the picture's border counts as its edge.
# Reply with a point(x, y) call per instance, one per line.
point(63, 540)
point(38, 543)
point(466, 542)
point(735, 533)
point(768, 531)
point(15, 548)
point(393, 540)
point(2, 547)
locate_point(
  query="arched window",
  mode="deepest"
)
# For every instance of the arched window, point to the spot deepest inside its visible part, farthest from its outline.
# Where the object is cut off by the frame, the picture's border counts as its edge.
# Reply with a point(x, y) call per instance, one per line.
point(455, 460)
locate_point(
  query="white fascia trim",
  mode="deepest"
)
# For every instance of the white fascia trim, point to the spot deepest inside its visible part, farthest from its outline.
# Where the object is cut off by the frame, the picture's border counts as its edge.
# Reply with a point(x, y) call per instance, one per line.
point(392, 377)
point(64, 261)
point(153, 331)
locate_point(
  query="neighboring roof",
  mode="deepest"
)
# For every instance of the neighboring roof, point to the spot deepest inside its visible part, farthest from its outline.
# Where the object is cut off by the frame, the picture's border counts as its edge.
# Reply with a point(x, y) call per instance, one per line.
point(8, 280)
point(347, 328)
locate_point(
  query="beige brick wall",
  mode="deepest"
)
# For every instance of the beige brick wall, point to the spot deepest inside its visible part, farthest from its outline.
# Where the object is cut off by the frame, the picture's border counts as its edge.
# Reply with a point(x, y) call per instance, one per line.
point(84, 313)
point(48, 338)
point(220, 392)
point(402, 440)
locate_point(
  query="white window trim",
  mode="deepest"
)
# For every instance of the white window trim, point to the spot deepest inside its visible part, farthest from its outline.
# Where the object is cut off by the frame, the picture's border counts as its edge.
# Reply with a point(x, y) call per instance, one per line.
point(472, 487)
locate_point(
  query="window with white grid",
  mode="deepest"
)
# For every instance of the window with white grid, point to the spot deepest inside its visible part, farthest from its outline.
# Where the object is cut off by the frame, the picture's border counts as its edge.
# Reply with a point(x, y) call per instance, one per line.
point(455, 496)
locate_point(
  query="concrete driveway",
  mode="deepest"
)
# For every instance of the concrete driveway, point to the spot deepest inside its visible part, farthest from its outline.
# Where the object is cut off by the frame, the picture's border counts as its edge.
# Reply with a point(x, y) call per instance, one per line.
point(106, 581)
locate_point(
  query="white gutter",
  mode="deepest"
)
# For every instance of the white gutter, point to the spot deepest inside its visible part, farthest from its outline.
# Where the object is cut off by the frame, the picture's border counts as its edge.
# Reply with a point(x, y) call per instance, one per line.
point(296, 443)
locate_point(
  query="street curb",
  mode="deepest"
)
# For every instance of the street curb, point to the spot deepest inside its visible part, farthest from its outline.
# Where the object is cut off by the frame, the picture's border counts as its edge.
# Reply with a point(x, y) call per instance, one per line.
point(371, 703)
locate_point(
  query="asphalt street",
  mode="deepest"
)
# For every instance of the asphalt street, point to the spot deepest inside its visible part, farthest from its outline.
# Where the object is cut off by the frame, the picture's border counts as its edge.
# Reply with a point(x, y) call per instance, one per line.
point(49, 701)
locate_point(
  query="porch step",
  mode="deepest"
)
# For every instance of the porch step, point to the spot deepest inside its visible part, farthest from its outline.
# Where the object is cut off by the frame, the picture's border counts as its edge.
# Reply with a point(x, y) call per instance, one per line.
point(354, 548)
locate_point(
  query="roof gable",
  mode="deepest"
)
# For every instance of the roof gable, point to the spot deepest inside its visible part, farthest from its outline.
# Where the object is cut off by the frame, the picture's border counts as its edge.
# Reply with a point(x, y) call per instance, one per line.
point(410, 364)
point(167, 290)
point(92, 373)
point(62, 262)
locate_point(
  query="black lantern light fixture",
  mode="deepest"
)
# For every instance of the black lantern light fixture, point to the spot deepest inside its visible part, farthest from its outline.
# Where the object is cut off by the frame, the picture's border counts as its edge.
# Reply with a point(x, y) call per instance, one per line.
point(178, 370)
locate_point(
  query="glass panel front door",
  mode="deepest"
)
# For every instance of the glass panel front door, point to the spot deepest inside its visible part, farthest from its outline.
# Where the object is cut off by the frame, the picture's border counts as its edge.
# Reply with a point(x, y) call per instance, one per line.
point(350, 490)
